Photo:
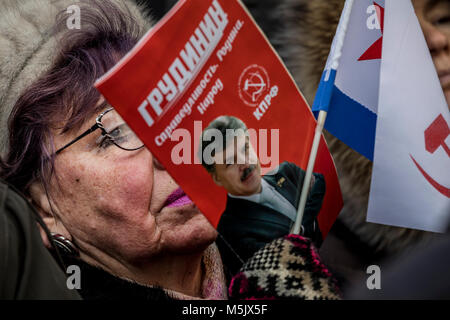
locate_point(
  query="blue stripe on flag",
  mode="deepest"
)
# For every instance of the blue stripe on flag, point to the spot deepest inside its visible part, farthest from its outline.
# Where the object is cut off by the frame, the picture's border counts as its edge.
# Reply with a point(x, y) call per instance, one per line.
point(324, 91)
point(352, 123)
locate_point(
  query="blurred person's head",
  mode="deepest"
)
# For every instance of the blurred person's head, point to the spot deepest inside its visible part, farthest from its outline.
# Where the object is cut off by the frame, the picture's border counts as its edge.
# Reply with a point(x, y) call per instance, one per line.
point(105, 192)
point(434, 18)
point(229, 157)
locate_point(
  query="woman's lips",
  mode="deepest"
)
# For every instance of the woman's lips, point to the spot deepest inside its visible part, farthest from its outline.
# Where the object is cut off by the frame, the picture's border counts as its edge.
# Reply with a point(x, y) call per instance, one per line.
point(177, 199)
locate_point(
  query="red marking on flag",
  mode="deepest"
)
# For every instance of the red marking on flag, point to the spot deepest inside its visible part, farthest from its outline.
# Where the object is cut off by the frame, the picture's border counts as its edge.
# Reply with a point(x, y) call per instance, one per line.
point(374, 51)
point(445, 191)
point(436, 134)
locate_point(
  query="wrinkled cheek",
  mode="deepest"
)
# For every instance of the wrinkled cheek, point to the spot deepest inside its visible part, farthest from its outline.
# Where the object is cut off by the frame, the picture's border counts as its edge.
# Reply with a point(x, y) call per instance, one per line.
point(70, 202)
point(129, 195)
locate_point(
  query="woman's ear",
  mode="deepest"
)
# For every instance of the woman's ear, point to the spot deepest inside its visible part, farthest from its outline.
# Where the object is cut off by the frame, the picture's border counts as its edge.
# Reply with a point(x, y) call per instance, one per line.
point(47, 212)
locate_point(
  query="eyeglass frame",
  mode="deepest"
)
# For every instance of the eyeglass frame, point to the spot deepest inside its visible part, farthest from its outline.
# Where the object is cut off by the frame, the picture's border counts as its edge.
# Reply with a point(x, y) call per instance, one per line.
point(98, 125)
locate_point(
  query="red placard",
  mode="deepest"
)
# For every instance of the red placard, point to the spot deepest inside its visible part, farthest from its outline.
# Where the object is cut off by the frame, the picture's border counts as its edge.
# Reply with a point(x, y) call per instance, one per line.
point(205, 59)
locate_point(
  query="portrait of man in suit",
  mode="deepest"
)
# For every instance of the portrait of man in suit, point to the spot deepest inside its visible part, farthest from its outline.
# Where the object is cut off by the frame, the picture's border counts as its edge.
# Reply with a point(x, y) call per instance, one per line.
point(259, 208)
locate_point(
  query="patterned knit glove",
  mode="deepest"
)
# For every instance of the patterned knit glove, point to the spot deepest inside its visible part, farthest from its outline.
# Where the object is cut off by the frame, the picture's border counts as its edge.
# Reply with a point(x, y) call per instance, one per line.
point(286, 268)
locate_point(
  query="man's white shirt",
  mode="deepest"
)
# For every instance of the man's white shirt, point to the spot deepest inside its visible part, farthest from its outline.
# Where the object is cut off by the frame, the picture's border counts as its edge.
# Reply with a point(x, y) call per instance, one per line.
point(271, 198)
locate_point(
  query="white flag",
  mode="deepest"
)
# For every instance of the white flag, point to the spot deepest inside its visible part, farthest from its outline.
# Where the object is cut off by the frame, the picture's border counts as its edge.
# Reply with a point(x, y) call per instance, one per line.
point(348, 90)
point(411, 173)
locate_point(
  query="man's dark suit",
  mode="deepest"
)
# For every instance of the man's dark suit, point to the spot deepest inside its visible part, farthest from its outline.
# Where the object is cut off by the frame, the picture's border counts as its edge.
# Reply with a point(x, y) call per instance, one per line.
point(246, 226)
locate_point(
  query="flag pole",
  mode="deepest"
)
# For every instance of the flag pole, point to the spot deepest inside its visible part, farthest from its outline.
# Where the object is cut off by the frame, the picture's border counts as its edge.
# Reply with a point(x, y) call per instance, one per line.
point(306, 182)
point(323, 102)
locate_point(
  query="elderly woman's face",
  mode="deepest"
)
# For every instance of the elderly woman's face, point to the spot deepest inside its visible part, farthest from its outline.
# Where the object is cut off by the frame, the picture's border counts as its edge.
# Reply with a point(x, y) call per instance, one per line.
point(434, 18)
point(114, 202)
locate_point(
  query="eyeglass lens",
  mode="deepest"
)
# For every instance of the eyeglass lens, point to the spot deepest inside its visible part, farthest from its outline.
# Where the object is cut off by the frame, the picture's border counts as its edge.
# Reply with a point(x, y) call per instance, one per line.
point(119, 131)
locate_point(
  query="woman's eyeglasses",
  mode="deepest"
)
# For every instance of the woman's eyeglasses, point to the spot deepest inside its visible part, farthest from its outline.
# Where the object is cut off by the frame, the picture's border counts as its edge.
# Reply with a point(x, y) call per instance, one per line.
point(114, 131)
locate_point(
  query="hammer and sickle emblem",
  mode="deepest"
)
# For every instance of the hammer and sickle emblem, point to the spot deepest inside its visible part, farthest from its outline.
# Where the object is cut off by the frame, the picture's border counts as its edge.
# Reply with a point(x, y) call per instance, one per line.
point(255, 80)
point(435, 136)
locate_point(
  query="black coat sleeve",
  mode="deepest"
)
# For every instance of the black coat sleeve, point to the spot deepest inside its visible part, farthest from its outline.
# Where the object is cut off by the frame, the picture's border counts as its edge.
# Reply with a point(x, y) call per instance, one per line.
point(27, 270)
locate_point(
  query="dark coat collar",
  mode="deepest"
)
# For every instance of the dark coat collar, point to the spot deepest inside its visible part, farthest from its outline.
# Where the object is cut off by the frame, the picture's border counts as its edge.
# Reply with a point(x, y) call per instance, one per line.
point(97, 284)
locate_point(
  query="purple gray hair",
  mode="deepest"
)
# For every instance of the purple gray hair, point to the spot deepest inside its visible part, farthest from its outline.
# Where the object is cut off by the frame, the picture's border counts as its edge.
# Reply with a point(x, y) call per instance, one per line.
point(64, 97)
